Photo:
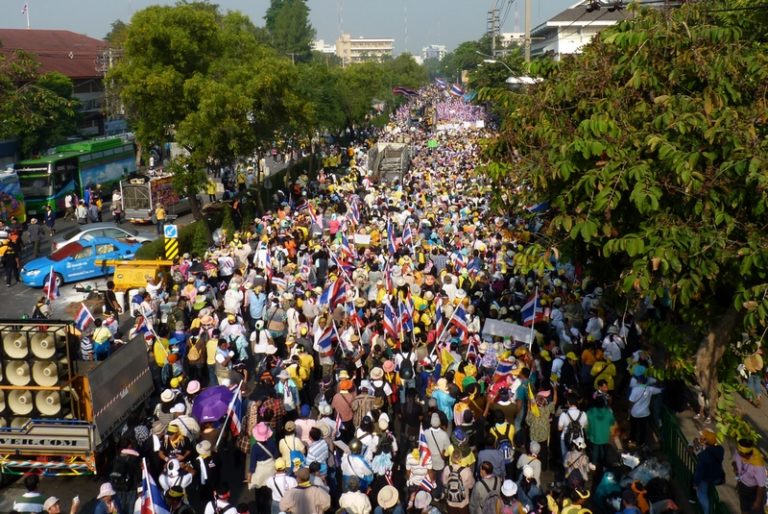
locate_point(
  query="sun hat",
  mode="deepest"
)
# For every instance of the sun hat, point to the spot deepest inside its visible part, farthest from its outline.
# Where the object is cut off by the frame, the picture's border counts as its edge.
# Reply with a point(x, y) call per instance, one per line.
point(527, 471)
point(106, 489)
point(50, 502)
point(178, 408)
point(377, 373)
point(434, 421)
point(167, 396)
point(290, 427)
point(193, 387)
point(388, 497)
point(203, 448)
point(280, 464)
point(346, 385)
point(284, 375)
point(325, 429)
point(388, 366)
point(262, 432)
point(534, 447)
point(508, 488)
point(423, 499)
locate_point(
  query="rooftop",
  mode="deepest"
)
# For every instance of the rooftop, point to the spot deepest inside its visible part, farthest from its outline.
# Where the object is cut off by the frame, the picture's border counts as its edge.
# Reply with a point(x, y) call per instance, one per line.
point(69, 53)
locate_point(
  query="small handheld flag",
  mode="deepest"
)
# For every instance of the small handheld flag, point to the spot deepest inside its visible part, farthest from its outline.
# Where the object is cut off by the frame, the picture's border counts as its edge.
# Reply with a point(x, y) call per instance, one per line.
point(83, 318)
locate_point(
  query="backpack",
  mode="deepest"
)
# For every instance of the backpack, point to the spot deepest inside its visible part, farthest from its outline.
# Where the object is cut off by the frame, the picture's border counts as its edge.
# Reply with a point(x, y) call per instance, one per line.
point(492, 499)
point(406, 368)
point(454, 486)
point(194, 353)
point(295, 455)
point(491, 503)
point(573, 430)
point(504, 444)
point(120, 476)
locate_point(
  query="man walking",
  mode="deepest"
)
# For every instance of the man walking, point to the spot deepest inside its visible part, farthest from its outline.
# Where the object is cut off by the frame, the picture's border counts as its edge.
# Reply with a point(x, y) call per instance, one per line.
point(35, 236)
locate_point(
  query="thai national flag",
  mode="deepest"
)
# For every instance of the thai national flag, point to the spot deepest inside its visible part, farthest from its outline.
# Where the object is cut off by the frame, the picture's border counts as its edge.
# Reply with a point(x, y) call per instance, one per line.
point(302, 205)
point(503, 369)
point(441, 83)
point(324, 340)
point(406, 313)
point(315, 219)
point(279, 282)
point(425, 454)
point(408, 235)
point(333, 294)
point(347, 250)
point(268, 264)
point(354, 212)
point(427, 484)
point(152, 501)
point(456, 90)
point(460, 320)
point(83, 318)
point(532, 312)
point(354, 316)
point(141, 325)
point(391, 243)
point(51, 287)
point(235, 412)
point(391, 322)
point(458, 260)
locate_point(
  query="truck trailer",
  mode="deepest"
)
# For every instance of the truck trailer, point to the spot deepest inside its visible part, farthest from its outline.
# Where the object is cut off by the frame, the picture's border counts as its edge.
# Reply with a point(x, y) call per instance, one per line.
point(142, 193)
point(57, 412)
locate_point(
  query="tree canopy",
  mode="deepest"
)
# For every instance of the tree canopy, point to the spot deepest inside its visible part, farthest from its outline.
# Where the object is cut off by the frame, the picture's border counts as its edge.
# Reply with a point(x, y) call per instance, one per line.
point(651, 148)
point(290, 31)
point(37, 109)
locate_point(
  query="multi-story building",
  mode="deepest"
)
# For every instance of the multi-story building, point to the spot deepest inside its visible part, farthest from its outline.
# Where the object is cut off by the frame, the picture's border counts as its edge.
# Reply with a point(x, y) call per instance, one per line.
point(322, 47)
point(568, 31)
point(352, 50)
point(77, 56)
point(433, 52)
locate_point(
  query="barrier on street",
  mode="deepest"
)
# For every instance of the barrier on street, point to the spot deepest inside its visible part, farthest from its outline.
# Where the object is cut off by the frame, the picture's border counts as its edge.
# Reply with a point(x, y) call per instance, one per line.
point(683, 461)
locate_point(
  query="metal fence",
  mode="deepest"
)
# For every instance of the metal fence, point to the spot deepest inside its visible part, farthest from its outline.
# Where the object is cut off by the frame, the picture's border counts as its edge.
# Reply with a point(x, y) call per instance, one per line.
point(683, 460)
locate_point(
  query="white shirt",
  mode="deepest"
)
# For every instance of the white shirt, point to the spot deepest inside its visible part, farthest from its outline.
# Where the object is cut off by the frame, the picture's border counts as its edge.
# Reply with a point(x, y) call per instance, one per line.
point(355, 502)
point(573, 413)
point(279, 485)
point(612, 346)
point(209, 509)
point(640, 396)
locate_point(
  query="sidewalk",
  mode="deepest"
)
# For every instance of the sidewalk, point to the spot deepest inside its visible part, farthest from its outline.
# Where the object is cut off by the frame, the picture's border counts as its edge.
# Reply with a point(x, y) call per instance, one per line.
point(758, 417)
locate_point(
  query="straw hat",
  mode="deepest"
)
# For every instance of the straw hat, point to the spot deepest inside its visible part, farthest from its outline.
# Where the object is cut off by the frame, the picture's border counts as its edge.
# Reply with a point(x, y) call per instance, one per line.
point(388, 497)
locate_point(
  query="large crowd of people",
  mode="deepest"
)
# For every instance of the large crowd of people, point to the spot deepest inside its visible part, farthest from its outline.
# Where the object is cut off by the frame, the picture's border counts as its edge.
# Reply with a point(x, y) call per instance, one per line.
point(391, 359)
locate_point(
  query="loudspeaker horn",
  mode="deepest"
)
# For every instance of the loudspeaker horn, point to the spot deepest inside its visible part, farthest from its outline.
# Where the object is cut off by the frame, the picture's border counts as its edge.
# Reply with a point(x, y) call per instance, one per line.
point(17, 373)
point(45, 373)
point(20, 402)
point(18, 422)
point(15, 345)
point(48, 403)
point(43, 345)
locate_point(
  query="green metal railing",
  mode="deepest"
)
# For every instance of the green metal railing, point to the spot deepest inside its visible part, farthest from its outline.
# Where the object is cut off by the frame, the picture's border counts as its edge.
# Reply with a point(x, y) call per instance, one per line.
point(683, 460)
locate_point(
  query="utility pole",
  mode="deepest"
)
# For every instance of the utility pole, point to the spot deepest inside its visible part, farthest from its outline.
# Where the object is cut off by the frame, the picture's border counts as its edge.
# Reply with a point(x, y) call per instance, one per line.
point(493, 27)
point(527, 32)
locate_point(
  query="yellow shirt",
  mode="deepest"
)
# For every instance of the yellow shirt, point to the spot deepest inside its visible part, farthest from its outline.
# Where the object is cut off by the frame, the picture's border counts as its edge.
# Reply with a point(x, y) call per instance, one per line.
point(210, 350)
point(160, 213)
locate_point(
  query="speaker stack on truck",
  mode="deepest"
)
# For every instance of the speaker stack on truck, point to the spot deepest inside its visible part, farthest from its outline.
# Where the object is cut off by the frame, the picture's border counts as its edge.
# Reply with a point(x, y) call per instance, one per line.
point(35, 372)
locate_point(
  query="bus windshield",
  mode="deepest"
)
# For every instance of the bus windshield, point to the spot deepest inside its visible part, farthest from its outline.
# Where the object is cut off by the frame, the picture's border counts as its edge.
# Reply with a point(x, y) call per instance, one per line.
point(34, 184)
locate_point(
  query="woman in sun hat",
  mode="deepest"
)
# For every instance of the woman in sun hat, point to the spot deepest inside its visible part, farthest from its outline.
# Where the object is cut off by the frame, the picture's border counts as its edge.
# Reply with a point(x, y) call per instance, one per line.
point(263, 454)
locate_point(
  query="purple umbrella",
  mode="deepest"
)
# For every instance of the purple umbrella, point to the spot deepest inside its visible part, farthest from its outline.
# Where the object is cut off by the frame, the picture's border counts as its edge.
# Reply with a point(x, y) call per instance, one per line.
point(211, 404)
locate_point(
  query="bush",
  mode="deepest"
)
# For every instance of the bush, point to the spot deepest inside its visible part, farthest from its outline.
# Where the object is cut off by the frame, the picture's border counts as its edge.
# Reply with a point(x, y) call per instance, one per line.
point(189, 241)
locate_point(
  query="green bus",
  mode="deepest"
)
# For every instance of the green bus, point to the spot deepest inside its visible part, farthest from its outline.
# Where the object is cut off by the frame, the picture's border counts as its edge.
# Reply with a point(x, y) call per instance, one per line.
point(71, 168)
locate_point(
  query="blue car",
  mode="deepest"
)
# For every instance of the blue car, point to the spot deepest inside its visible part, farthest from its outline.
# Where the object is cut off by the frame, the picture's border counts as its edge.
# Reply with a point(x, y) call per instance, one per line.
point(77, 261)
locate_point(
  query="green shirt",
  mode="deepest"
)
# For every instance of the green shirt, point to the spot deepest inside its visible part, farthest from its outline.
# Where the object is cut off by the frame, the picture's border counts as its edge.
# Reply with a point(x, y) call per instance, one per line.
point(599, 423)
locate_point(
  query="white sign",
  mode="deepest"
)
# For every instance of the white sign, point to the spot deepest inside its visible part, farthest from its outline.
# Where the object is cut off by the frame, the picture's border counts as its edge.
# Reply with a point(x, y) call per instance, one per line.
point(499, 328)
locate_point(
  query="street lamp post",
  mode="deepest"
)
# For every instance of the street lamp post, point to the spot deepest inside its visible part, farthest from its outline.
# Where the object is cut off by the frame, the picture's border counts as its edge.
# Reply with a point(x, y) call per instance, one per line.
point(490, 60)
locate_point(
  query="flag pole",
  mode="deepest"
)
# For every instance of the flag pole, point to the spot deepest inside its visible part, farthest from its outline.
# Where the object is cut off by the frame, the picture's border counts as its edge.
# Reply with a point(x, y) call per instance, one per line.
point(26, 11)
point(229, 412)
point(533, 322)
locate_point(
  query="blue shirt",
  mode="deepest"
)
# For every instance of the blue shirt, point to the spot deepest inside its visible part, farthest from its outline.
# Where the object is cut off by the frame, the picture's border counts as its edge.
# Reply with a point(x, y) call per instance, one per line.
point(256, 303)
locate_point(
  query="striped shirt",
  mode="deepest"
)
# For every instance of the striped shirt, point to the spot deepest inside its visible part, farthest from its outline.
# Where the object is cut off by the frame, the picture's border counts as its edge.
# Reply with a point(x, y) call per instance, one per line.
point(317, 452)
point(30, 502)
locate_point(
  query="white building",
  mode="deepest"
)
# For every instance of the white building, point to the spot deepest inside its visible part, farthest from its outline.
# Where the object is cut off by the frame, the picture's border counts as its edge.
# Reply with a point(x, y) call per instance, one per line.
point(433, 52)
point(320, 46)
point(351, 50)
point(573, 28)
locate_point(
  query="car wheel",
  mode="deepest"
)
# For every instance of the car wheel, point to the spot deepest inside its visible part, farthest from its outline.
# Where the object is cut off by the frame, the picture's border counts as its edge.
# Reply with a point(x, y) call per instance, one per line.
point(59, 280)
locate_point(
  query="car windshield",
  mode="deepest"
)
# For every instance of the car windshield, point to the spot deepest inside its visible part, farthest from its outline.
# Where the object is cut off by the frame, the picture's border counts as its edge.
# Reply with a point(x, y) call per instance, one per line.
point(69, 234)
point(66, 251)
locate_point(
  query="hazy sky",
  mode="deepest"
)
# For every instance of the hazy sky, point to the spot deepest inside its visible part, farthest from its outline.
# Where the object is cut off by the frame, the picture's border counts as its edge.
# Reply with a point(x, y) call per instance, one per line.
point(412, 23)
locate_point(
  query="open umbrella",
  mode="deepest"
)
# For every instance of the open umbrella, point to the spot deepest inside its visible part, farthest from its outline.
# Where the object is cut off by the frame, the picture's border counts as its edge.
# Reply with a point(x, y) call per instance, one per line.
point(432, 143)
point(211, 404)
